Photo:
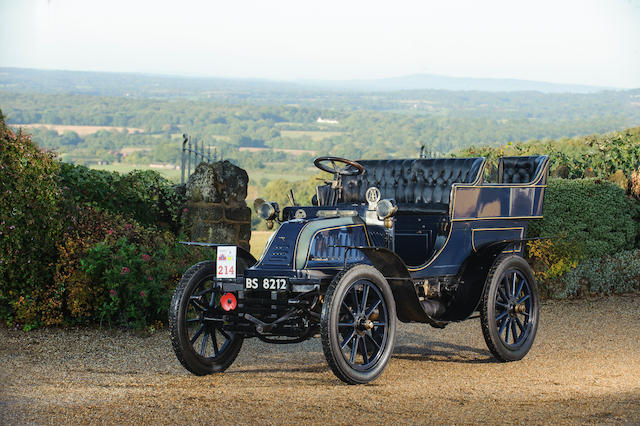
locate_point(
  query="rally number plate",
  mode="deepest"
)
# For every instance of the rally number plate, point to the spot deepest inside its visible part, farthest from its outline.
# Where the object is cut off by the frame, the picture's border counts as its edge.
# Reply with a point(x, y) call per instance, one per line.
point(273, 284)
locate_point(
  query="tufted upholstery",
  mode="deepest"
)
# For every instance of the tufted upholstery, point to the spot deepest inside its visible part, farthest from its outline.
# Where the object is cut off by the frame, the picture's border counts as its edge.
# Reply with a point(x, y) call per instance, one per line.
point(519, 169)
point(415, 181)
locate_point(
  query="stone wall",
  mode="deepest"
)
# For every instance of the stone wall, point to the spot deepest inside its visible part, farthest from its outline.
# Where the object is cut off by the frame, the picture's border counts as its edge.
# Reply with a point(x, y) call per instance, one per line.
point(216, 208)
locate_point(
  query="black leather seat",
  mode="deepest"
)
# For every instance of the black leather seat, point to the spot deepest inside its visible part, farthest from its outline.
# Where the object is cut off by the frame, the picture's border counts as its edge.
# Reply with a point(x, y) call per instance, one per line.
point(416, 184)
point(519, 169)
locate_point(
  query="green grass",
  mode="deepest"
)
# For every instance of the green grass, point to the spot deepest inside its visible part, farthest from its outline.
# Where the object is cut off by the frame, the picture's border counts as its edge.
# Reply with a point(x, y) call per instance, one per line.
point(280, 172)
point(259, 241)
point(314, 135)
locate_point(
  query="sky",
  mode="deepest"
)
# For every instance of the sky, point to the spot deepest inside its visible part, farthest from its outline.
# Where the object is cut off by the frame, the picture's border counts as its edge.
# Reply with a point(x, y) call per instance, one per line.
point(591, 42)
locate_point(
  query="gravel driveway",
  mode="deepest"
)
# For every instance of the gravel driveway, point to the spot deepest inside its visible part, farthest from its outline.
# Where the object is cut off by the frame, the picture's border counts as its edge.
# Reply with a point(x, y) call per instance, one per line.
point(584, 367)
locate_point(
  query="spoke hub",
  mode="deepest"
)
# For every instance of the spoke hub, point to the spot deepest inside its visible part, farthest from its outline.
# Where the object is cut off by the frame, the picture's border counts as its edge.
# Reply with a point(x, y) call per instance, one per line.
point(363, 324)
point(520, 308)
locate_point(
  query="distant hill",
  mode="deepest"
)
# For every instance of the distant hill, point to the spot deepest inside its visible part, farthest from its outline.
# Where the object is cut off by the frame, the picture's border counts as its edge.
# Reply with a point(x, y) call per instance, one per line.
point(440, 82)
point(162, 86)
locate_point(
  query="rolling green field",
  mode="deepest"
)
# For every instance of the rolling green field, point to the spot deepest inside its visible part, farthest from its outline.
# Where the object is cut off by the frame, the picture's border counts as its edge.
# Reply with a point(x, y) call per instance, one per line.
point(272, 172)
point(314, 135)
point(259, 241)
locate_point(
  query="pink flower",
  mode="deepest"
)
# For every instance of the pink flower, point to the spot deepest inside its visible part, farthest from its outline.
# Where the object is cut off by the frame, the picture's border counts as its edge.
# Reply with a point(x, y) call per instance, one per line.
point(109, 231)
point(185, 210)
point(150, 278)
point(146, 257)
point(127, 226)
point(125, 270)
point(143, 294)
point(113, 293)
point(12, 227)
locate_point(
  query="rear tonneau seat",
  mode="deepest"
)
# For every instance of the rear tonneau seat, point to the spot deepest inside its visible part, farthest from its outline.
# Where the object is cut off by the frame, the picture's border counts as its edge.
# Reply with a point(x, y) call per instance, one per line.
point(520, 169)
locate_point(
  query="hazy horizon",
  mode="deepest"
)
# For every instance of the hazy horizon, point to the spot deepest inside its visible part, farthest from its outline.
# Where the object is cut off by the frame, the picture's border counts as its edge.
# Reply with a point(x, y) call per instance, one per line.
point(592, 43)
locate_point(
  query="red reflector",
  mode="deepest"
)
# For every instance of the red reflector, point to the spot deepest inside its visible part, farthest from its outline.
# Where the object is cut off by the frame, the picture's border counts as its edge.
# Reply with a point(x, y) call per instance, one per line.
point(228, 302)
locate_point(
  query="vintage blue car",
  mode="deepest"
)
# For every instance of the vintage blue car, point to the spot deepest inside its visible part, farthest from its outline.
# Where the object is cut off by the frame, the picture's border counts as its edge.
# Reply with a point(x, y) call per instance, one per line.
point(416, 240)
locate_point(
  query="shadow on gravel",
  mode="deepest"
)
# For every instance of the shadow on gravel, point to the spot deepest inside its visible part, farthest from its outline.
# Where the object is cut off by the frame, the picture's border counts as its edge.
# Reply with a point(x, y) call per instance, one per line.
point(443, 352)
point(305, 369)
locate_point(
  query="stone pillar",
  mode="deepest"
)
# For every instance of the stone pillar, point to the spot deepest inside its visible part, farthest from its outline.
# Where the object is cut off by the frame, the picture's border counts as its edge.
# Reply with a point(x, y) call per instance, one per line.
point(216, 208)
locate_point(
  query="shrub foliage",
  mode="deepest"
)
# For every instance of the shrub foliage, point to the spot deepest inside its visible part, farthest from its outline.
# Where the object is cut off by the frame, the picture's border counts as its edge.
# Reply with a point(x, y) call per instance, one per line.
point(145, 196)
point(80, 246)
point(594, 214)
point(30, 217)
point(617, 273)
point(588, 219)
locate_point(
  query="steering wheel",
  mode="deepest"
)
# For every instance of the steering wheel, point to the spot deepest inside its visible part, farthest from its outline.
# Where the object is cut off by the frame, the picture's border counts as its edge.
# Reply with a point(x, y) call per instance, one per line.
point(350, 169)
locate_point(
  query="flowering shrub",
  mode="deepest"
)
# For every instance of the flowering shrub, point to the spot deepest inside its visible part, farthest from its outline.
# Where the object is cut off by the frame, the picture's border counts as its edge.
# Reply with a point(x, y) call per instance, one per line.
point(79, 246)
point(27, 240)
point(117, 272)
point(551, 259)
point(136, 287)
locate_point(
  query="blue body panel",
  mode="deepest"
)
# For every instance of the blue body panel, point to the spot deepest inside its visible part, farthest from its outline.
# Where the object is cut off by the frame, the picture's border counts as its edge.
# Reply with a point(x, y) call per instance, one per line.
point(466, 238)
point(479, 214)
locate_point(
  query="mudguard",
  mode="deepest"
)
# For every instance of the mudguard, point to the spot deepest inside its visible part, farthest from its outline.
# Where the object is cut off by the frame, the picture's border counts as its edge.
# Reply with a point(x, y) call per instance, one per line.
point(242, 252)
point(408, 306)
point(473, 275)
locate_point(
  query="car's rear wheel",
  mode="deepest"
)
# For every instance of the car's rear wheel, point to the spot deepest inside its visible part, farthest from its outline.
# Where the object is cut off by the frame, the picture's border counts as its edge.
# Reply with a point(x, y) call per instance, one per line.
point(510, 308)
point(358, 324)
point(199, 340)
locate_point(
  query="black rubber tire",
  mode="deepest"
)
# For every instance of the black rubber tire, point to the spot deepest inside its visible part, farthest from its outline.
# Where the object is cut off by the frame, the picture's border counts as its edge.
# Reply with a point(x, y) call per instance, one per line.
point(491, 332)
point(329, 324)
point(188, 357)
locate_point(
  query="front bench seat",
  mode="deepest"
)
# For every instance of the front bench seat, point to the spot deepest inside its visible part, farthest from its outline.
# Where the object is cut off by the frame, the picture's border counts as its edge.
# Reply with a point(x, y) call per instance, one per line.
point(415, 184)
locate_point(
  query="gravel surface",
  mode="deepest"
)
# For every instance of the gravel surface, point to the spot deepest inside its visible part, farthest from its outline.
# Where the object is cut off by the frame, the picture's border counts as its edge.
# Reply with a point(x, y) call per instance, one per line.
point(584, 368)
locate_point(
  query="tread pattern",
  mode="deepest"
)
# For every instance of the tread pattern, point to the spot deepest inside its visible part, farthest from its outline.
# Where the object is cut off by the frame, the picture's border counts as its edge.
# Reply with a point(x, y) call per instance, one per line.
point(196, 367)
point(484, 320)
point(324, 327)
point(175, 308)
point(484, 316)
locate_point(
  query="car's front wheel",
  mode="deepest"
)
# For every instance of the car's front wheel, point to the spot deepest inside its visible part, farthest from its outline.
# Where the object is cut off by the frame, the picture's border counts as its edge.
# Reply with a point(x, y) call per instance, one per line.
point(199, 339)
point(358, 324)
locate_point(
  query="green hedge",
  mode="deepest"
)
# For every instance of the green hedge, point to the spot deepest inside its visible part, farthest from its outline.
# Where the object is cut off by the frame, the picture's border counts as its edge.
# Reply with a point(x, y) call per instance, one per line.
point(80, 246)
point(594, 214)
point(143, 195)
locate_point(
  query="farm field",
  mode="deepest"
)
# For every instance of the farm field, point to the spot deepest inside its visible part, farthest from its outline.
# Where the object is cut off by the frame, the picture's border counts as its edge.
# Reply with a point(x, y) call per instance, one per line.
point(314, 135)
point(583, 368)
point(259, 241)
point(273, 171)
point(80, 130)
point(286, 151)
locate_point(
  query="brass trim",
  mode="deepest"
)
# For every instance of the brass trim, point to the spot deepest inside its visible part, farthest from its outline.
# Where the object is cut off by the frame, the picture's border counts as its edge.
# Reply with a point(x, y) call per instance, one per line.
point(466, 219)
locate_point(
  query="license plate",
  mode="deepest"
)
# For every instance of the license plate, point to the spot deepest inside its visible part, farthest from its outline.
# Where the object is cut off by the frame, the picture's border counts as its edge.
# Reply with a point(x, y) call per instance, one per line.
point(273, 284)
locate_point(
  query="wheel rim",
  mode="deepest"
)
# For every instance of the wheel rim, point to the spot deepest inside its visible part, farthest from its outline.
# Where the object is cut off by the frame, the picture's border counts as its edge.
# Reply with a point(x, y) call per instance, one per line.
point(363, 325)
point(203, 321)
point(514, 313)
